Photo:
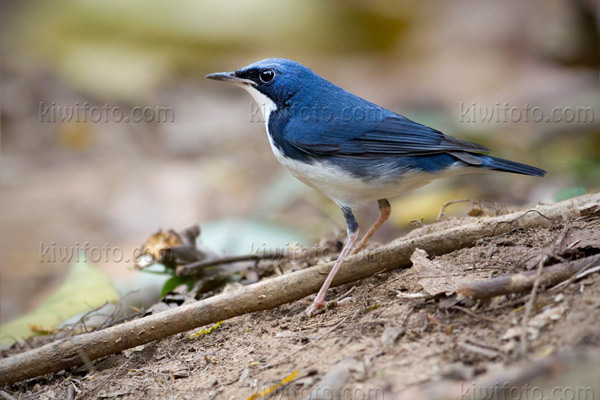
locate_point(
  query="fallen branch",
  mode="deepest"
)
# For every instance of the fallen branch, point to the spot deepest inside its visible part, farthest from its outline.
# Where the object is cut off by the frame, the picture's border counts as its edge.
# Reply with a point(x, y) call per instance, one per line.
point(273, 292)
point(552, 275)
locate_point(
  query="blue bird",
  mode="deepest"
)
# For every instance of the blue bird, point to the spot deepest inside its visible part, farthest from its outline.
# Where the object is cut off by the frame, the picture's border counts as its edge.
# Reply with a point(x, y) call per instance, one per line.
point(350, 149)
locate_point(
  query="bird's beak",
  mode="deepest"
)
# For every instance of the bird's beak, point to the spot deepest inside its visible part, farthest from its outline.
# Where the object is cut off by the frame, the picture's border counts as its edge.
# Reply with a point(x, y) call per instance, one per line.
point(230, 77)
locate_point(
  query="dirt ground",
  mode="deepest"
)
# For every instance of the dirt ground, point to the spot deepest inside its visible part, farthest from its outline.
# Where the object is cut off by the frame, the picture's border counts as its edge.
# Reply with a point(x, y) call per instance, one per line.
point(383, 344)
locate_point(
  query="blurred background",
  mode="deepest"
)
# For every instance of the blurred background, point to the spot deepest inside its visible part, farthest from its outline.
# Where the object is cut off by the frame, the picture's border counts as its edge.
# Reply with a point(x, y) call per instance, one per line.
point(66, 183)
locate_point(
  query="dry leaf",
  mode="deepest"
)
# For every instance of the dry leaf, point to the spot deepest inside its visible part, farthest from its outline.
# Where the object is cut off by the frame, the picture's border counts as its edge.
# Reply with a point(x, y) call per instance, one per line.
point(435, 277)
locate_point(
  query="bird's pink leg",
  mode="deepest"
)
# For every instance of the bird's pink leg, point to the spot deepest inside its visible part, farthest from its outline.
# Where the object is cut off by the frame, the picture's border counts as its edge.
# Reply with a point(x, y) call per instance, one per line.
point(320, 299)
point(385, 209)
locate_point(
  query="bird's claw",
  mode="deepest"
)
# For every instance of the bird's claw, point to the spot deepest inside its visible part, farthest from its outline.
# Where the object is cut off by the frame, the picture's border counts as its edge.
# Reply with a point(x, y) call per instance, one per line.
point(315, 306)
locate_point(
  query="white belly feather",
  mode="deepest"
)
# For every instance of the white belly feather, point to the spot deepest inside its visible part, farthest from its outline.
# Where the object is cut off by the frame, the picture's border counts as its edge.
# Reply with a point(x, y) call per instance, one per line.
point(348, 190)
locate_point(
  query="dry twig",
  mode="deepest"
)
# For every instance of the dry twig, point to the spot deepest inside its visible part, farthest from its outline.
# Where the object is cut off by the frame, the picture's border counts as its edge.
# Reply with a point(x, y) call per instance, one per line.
point(552, 275)
point(187, 269)
point(536, 283)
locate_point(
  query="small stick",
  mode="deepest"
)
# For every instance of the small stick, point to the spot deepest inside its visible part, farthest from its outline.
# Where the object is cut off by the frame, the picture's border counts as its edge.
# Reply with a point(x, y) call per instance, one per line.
point(449, 203)
point(187, 269)
point(488, 205)
point(478, 350)
point(6, 395)
point(552, 275)
point(536, 284)
point(530, 303)
point(588, 269)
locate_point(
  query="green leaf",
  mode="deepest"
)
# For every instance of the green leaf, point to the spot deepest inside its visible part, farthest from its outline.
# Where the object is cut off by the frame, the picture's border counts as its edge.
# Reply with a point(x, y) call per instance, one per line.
point(175, 281)
point(85, 287)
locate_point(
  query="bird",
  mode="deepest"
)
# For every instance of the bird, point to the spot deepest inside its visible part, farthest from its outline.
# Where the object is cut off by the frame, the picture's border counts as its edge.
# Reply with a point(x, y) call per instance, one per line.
point(350, 149)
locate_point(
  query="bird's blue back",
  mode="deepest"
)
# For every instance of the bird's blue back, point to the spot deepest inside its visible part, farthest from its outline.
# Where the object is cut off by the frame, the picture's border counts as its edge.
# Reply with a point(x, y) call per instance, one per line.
point(315, 119)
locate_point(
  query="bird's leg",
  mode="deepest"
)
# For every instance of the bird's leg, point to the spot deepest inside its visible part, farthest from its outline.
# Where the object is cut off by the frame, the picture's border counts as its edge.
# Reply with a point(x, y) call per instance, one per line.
point(385, 209)
point(352, 227)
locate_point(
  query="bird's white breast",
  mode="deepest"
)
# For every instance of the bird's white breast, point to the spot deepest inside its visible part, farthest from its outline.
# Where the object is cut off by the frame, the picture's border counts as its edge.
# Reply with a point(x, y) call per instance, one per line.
point(346, 189)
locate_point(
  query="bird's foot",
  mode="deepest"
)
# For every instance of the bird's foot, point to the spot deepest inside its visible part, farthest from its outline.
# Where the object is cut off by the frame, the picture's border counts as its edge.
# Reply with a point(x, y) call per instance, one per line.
point(315, 306)
point(318, 305)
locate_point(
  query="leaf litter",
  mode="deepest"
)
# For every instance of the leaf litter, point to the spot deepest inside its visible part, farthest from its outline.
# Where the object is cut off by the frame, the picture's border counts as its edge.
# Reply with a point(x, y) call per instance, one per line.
point(401, 347)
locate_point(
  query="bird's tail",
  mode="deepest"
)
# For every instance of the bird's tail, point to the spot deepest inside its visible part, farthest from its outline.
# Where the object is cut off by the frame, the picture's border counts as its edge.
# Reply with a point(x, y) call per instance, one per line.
point(499, 164)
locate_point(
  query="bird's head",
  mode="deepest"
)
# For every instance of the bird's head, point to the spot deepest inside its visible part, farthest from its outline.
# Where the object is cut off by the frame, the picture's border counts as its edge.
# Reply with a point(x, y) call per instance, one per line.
point(272, 82)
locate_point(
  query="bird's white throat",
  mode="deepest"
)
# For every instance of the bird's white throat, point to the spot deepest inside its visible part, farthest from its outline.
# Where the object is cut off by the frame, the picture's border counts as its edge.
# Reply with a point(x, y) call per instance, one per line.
point(267, 106)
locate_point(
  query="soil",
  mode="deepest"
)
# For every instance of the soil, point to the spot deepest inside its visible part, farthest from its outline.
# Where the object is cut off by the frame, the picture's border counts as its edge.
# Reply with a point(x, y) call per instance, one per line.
point(382, 344)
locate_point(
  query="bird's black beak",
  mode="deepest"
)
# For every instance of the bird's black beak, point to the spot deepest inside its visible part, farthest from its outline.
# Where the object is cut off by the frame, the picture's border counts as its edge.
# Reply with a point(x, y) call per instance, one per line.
point(230, 77)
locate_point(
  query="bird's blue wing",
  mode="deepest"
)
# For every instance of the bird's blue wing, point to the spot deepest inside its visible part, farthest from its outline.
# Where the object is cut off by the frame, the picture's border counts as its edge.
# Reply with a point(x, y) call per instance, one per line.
point(392, 136)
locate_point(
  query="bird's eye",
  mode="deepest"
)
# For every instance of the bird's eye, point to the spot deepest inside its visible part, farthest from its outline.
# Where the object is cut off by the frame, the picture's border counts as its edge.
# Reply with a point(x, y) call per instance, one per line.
point(267, 75)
